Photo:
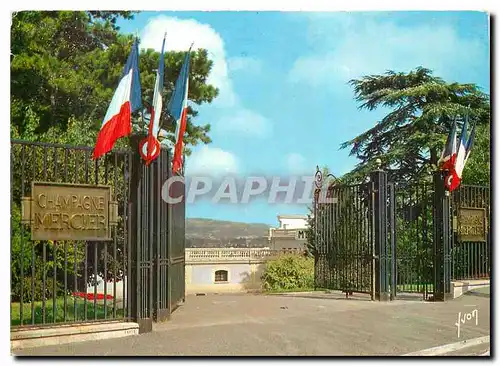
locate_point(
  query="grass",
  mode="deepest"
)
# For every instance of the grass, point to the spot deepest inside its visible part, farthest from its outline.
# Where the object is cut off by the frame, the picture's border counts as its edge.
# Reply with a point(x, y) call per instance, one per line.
point(307, 289)
point(71, 316)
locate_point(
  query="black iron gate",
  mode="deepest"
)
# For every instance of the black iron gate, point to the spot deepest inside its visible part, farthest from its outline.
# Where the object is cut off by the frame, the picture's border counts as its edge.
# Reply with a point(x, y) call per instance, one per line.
point(51, 281)
point(394, 239)
point(471, 254)
point(412, 218)
point(137, 275)
point(344, 230)
point(353, 238)
point(169, 240)
point(429, 248)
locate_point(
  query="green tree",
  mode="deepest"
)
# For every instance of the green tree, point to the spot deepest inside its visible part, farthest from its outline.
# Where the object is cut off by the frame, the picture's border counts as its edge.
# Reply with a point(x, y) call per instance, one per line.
point(65, 66)
point(477, 168)
point(409, 139)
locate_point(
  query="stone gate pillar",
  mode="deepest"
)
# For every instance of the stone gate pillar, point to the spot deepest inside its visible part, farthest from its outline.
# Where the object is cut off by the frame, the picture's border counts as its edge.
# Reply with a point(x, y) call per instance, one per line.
point(379, 212)
point(138, 284)
point(442, 242)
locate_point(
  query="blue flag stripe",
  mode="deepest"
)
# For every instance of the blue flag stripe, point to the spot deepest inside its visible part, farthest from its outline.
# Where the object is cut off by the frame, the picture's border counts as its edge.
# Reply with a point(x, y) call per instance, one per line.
point(177, 99)
point(133, 63)
point(162, 65)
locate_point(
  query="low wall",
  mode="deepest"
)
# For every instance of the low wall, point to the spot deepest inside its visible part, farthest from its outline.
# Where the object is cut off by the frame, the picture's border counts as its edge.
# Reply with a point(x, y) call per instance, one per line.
point(243, 268)
point(461, 287)
point(240, 277)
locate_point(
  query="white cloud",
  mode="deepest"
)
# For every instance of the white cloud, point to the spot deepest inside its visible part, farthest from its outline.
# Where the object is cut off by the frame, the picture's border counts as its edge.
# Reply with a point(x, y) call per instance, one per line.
point(211, 161)
point(180, 34)
point(246, 64)
point(296, 163)
point(355, 45)
point(244, 122)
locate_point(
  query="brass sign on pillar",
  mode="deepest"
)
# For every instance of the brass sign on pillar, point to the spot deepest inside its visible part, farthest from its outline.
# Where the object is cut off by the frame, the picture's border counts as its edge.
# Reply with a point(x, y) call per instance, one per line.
point(61, 211)
point(471, 224)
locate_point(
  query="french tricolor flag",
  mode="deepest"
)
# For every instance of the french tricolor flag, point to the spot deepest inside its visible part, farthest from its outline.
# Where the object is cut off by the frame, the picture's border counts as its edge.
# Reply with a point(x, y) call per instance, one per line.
point(178, 110)
point(455, 176)
point(126, 100)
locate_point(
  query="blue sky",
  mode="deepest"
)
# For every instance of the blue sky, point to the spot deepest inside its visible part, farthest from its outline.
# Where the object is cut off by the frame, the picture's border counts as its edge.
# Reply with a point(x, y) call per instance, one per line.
point(284, 104)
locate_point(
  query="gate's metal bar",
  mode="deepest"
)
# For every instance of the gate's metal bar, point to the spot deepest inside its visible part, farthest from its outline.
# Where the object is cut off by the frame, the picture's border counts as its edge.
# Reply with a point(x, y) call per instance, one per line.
point(167, 237)
point(54, 281)
point(333, 246)
point(65, 281)
point(169, 258)
point(140, 246)
point(114, 233)
point(44, 280)
point(128, 236)
point(158, 204)
point(33, 253)
point(357, 247)
point(44, 275)
point(153, 201)
point(75, 287)
point(365, 244)
point(372, 236)
point(23, 158)
point(392, 209)
point(65, 304)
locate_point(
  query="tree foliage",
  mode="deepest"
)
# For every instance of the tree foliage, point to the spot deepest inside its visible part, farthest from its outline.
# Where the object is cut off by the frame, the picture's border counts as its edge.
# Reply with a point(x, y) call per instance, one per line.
point(65, 66)
point(409, 139)
point(477, 168)
point(328, 180)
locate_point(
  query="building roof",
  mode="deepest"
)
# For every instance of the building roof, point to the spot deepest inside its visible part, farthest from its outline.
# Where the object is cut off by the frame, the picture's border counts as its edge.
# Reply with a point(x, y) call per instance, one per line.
point(304, 217)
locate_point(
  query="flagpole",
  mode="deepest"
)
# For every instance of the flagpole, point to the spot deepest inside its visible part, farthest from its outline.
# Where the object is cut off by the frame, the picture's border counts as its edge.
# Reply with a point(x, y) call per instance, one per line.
point(183, 151)
point(162, 115)
point(142, 109)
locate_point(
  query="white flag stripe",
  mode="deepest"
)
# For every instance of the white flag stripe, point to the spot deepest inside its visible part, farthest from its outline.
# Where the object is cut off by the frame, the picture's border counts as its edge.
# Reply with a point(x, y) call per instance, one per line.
point(122, 95)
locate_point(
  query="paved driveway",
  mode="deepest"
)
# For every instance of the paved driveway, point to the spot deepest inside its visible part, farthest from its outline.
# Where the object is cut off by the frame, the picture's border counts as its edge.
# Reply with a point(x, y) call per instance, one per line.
point(308, 324)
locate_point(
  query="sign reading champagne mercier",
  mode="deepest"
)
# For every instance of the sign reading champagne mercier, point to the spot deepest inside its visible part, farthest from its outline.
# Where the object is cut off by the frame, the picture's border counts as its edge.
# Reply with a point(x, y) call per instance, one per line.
point(69, 212)
point(471, 224)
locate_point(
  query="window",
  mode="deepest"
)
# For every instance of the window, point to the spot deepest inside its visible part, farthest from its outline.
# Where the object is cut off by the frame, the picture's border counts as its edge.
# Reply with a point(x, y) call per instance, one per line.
point(220, 276)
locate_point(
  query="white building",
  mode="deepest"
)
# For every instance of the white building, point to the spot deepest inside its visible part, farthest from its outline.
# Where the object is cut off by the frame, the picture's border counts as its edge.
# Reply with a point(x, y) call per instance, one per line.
point(290, 234)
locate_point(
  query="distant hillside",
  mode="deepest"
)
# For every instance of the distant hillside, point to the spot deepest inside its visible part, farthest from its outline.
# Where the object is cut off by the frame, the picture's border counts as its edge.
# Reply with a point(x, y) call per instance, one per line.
point(204, 233)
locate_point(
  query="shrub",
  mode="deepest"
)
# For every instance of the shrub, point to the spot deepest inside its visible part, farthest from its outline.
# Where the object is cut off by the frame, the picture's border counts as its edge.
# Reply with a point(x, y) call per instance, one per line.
point(288, 272)
point(39, 293)
point(22, 250)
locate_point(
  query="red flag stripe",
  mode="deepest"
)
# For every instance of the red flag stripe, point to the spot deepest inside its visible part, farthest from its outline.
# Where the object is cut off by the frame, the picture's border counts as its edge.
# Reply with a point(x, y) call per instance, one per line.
point(117, 127)
point(177, 161)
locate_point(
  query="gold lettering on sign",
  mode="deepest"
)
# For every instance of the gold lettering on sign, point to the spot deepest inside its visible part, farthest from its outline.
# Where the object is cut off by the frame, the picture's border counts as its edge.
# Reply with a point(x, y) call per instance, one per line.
point(471, 224)
point(70, 212)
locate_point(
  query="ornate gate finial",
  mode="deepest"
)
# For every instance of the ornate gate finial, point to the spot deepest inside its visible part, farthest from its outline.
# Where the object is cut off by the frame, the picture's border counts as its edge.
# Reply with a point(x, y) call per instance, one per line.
point(318, 178)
